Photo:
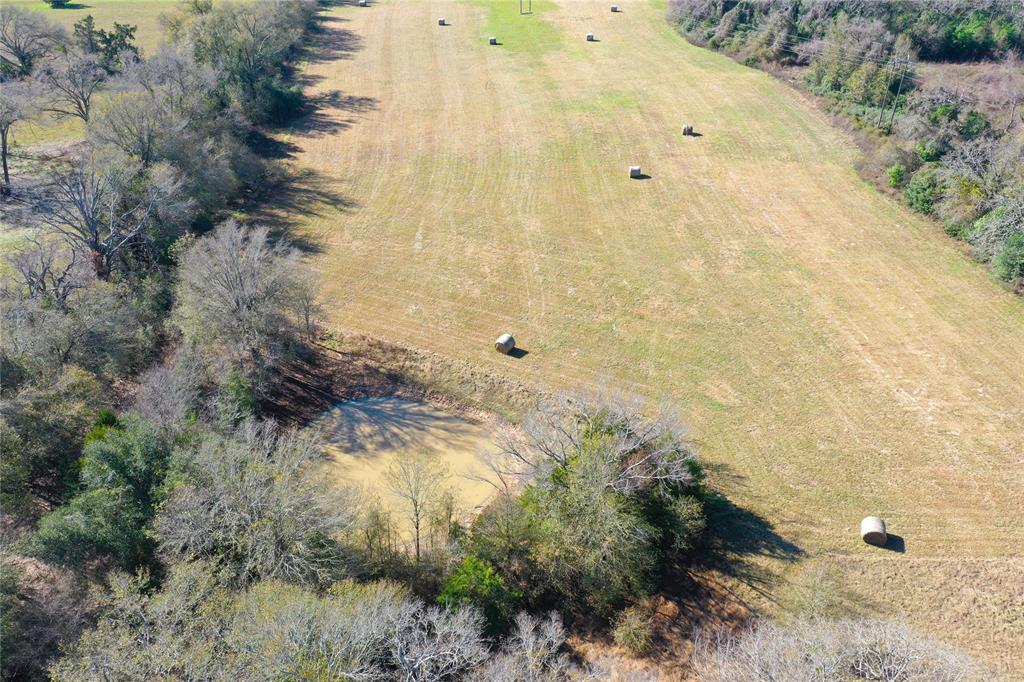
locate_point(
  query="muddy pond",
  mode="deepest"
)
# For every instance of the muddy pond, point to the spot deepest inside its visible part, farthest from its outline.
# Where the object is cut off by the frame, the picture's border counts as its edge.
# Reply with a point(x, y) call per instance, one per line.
point(364, 437)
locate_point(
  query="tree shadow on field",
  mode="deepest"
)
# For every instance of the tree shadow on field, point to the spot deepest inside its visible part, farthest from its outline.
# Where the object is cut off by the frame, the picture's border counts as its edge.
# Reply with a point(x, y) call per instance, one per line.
point(302, 192)
point(329, 42)
point(736, 538)
point(320, 118)
point(738, 541)
point(363, 428)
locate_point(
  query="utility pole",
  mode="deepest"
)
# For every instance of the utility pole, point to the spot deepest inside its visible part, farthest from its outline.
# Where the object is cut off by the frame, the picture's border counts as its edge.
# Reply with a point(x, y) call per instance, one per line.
point(899, 89)
point(891, 68)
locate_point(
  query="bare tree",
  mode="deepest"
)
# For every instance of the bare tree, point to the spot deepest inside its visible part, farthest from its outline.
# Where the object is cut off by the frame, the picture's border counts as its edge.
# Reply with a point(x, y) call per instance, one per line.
point(18, 102)
point(533, 654)
point(169, 392)
point(637, 451)
point(438, 645)
point(71, 80)
point(25, 36)
point(240, 293)
point(138, 124)
point(48, 272)
point(418, 479)
point(818, 649)
point(99, 329)
point(172, 77)
point(94, 211)
point(256, 503)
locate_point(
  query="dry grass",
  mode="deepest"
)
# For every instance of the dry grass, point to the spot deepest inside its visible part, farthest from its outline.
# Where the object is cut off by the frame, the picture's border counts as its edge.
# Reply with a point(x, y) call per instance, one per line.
point(835, 355)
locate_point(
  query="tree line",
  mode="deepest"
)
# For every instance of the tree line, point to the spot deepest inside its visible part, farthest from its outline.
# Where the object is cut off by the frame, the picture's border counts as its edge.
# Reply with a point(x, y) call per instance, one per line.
point(932, 142)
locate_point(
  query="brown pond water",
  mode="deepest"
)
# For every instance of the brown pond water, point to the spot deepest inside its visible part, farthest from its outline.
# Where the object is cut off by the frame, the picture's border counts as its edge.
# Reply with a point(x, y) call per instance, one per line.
point(364, 437)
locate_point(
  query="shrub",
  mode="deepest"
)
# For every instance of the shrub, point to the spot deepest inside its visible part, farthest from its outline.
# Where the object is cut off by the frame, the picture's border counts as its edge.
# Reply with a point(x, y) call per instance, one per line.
point(132, 458)
point(47, 423)
point(927, 151)
point(1009, 264)
point(237, 397)
point(686, 522)
point(897, 174)
point(923, 190)
point(634, 630)
point(10, 597)
point(946, 112)
point(974, 124)
point(476, 583)
point(96, 523)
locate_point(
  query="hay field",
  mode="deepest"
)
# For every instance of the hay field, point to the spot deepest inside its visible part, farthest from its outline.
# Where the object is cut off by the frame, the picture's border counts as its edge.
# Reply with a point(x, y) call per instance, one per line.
point(835, 355)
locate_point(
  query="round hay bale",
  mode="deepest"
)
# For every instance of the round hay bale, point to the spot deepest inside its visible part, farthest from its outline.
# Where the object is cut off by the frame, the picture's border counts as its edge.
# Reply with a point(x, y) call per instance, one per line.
point(492, 40)
point(505, 344)
point(634, 171)
point(615, 8)
point(364, 3)
point(872, 531)
point(441, 22)
point(590, 37)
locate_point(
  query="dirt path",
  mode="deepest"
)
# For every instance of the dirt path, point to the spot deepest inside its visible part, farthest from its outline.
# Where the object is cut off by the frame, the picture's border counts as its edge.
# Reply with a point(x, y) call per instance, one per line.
point(834, 354)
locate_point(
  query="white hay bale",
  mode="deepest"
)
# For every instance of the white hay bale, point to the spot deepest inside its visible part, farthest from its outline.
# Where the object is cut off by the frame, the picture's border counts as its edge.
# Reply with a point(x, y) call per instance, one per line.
point(634, 171)
point(441, 22)
point(615, 8)
point(872, 531)
point(590, 37)
point(492, 40)
point(505, 344)
point(364, 3)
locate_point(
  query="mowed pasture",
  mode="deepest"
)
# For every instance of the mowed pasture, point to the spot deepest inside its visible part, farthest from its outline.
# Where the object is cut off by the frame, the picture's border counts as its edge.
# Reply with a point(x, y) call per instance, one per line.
point(835, 355)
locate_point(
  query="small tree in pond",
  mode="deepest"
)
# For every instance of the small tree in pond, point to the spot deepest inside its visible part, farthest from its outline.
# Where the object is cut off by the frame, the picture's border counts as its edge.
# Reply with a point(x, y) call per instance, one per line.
point(418, 480)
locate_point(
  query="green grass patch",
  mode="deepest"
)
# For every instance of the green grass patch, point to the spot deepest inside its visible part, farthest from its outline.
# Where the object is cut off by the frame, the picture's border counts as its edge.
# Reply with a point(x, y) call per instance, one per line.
point(521, 33)
point(604, 102)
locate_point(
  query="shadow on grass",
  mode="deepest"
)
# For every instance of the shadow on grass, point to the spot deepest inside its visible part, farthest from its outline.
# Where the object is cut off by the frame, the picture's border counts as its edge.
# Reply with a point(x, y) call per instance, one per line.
point(895, 543)
point(330, 42)
point(738, 543)
point(736, 538)
point(320, 115)
point(304, 193)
